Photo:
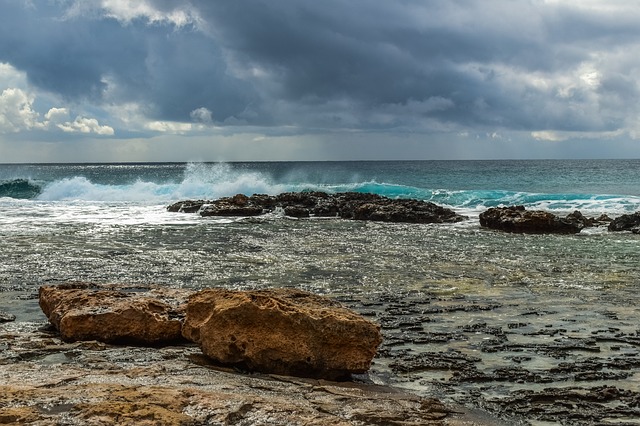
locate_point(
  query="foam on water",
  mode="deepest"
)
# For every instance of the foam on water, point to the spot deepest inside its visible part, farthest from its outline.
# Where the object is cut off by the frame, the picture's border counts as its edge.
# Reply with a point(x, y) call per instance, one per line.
point(199, 181)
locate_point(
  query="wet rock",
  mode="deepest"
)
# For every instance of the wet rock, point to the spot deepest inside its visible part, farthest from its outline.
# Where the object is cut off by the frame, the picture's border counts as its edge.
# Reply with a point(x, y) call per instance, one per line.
point(80, 312)
point(238, 205)
point(188, 206)
point(572, 406)
point(626, 222)
point(519, 220)
point(6, 317)
point(347, 205)
point(281, 331)
point(450, 360)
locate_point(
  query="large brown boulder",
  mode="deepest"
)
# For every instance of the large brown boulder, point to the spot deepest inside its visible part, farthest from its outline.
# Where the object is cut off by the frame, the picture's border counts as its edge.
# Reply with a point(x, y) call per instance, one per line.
point(518, 219)
point(281, 331)
point(81, 312)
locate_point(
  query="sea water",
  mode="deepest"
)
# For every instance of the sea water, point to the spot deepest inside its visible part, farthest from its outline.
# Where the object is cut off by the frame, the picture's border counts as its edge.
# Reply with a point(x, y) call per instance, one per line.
point(107, 223)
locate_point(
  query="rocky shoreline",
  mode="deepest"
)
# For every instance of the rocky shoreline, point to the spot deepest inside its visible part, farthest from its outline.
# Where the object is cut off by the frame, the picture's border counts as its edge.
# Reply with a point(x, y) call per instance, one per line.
point(372, 207)
point(346, 205)
point(560, 368)
point(49, 380)
point(567, 358)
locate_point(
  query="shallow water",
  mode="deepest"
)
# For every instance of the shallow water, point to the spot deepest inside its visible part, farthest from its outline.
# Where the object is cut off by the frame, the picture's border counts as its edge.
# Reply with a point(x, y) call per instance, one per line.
point(468, 314)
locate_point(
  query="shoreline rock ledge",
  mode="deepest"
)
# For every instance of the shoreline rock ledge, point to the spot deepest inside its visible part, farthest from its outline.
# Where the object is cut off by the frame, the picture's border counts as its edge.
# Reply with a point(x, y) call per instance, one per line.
point(345, 205)
point(275, 331)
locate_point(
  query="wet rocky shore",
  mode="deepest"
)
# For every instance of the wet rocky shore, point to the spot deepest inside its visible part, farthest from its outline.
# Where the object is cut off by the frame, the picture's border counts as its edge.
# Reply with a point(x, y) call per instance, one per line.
point(45, 380)
point(479, 327)
point(521, 364)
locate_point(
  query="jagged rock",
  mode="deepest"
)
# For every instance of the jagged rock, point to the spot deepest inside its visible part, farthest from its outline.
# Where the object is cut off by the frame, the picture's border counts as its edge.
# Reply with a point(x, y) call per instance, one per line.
point(238, 205)
point(189, 206)
point(347, 205)
point(282, 331)
point(581, 220)
point(518, 219)
point(626, 222)
point(80, 312)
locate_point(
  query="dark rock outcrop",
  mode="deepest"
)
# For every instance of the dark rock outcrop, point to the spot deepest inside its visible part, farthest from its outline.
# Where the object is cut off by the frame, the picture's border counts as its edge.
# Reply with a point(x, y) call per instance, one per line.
point(281, 331)
point(518, 219)
point(626, 222)
point(347, 205)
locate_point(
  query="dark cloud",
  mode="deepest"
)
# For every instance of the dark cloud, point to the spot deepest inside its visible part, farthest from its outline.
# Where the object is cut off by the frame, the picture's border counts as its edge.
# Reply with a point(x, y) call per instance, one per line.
point(170, 71)
point(362, 64)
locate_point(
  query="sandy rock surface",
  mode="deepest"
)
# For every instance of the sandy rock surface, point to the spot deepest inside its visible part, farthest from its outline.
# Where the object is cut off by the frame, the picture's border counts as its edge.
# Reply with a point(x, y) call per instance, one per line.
point(45, 381)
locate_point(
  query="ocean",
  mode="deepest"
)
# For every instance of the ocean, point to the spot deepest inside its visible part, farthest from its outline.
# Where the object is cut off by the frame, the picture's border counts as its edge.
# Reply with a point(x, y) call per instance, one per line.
point(469, 315)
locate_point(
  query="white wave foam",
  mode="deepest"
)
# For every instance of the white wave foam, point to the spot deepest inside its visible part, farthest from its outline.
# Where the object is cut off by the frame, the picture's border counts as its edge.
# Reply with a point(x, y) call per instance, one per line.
point(200, 181)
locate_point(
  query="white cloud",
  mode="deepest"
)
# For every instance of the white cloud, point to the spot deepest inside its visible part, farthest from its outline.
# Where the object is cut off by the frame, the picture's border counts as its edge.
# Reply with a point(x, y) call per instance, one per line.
point(548, 135)
point(11, 77)
point(16, 111)
point(168, 127)
point(559, 136)
point(201, 115)
point(57, 115)
point(18, 115)
point(85, 125)
point(126, 11)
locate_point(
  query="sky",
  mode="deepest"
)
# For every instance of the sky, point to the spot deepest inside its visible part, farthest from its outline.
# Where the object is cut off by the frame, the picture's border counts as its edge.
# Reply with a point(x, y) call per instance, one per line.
point(250, 80)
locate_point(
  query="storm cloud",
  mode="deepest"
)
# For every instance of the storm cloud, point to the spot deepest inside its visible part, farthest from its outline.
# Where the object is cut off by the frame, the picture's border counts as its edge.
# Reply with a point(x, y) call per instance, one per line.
point(540, 70)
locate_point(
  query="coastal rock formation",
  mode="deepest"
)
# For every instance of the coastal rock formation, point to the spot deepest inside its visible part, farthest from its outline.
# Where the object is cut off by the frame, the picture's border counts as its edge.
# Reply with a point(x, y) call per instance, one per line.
point(626, 222)
point(581, 220)
point(518, 219)
point(281, 331)
point(347, 205)
point(46, 381)
point(80, 312)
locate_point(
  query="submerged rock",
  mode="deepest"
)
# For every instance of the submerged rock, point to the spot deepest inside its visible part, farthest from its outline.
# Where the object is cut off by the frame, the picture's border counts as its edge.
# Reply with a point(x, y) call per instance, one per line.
point(347, 205)
point(80, 312)
point(518, 219)
point(6, 317)
point(281, 331)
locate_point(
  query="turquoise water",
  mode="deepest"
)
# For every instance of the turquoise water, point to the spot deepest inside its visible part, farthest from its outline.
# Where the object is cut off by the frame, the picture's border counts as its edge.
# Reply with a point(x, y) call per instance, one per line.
point(608, 186)
point(107, 223)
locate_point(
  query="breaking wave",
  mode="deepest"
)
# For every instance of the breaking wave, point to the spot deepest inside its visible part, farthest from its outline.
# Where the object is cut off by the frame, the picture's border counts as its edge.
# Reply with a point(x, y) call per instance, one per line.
point(19, 188)
point(210, 181)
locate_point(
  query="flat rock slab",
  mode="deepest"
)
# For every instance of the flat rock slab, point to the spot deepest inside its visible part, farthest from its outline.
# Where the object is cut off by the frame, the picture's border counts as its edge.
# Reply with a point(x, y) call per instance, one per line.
point(83, 312)
point(282, 331)
point(46, 381)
